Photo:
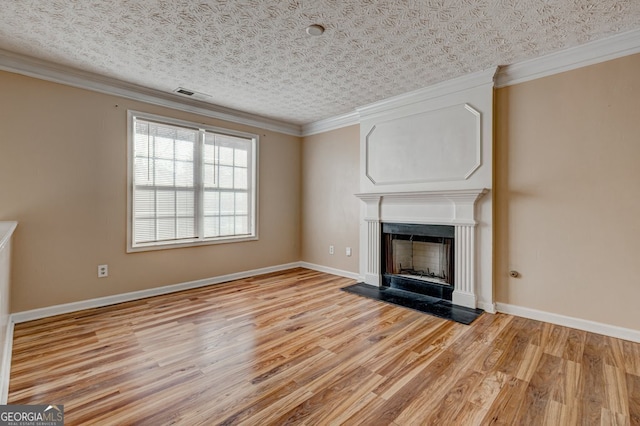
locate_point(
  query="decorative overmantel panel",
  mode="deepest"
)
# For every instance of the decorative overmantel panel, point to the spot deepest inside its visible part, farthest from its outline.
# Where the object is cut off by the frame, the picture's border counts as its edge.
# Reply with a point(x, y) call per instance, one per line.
point(450, 207)
point(431, 150)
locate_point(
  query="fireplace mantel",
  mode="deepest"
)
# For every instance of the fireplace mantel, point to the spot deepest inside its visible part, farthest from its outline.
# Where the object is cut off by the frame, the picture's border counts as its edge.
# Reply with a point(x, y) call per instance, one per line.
point(452, 194)
point(461, 204)
point(440, 207)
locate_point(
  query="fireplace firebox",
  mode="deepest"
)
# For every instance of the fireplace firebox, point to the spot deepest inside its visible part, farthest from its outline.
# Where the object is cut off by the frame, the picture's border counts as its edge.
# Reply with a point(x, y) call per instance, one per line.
point(419, 258)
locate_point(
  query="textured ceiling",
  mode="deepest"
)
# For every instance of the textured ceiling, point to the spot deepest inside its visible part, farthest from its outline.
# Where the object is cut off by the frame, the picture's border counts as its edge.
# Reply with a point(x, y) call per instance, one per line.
point(254, 55)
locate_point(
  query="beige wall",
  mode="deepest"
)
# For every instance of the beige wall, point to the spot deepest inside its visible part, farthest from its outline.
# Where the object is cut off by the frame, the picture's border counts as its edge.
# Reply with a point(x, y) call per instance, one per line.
point(567, 191)
point(63, 159)
point(330, 211)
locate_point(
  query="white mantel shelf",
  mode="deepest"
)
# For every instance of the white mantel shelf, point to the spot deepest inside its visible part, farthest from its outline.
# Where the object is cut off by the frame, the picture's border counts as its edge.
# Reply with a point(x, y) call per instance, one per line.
point(460, 203)
point(459, 195)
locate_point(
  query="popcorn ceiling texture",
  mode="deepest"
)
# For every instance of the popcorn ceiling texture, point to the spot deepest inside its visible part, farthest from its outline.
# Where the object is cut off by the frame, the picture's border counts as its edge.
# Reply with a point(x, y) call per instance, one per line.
point(254, 55)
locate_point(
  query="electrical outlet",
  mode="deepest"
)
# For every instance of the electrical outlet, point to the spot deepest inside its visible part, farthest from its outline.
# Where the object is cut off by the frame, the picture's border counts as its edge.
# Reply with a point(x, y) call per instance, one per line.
point(103, 271)
point(332, 250)
point(348, 251)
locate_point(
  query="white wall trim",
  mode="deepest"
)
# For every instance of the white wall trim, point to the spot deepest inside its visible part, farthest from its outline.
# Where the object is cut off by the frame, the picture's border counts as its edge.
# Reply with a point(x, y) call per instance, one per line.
point(66, 308)
point(487, 306)
point(142, 294)
point(617, 46)
point(332, 271)
point(566, 321)
point(331, 123)
point(448, 87)
point(6, 232)
point(44, 70)
point(5, 367)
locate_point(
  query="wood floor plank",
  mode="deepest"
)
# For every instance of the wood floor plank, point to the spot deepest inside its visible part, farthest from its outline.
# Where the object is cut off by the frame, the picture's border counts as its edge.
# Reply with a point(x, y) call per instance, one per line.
point(575, 345)
point(593, 383)
point(516, 340)
point(631, 357)
point(486, 392)
point(453, 401)
point(556, 340)
point(567, 385)
point(322, 400)
point(539, 392)
point(615, 390)
point(633, 392)
point(507, 404)
point(291, 348)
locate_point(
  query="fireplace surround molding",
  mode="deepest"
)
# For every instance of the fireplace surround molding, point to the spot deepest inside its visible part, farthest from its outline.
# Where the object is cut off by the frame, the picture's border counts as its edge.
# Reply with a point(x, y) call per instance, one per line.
point(438, 207)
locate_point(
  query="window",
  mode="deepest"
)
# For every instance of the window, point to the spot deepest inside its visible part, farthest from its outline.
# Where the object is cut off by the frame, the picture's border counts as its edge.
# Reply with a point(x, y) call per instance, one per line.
point(189, 184)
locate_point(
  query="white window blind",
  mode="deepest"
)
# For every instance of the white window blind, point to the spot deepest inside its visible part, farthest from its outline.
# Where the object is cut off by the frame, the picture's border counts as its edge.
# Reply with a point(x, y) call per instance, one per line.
point(190, 184)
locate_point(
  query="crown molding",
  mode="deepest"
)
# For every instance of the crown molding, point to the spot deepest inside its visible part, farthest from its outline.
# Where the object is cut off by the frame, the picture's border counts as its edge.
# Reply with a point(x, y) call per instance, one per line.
point(617, 46)
point(465, 82)
point(331, 123)
point(44, 70)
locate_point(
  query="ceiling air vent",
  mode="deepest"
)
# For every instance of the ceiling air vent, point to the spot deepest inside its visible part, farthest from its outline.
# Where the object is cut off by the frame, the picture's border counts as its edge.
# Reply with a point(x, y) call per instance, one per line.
point(184, 91)
point(192, 94)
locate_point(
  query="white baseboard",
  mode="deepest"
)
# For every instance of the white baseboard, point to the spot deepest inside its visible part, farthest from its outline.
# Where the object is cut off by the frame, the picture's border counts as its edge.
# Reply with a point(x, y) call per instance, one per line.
point(487, 307)
point(142, 294)
point(332, 271)
point(5, 367)
point(578, 323)
point(460, 298)
point(50, 311)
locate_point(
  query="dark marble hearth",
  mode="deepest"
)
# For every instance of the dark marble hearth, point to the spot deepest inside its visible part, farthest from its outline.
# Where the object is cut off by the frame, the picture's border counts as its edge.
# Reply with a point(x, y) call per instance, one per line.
point(440, 291)
point(419, 302)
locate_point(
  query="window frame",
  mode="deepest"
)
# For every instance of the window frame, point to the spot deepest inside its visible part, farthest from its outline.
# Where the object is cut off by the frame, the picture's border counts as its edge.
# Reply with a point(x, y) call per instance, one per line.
point(132, 247)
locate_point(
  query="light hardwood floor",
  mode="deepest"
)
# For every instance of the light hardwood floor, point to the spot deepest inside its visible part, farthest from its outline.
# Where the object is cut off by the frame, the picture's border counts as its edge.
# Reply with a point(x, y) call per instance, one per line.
point(291, 348)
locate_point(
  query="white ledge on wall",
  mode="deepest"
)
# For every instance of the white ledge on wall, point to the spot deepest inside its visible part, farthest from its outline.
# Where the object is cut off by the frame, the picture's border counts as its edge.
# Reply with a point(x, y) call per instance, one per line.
point(464, 195)
point(462, 200)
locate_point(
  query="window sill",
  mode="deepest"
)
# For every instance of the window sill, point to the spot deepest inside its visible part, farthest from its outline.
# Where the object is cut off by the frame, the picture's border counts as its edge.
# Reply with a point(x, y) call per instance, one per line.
point(188, 243)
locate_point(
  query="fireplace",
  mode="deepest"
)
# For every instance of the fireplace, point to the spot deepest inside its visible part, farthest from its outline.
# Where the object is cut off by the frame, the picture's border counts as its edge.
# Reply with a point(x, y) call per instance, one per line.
point(427, 158)
point(448, 208)
point(419, 258)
